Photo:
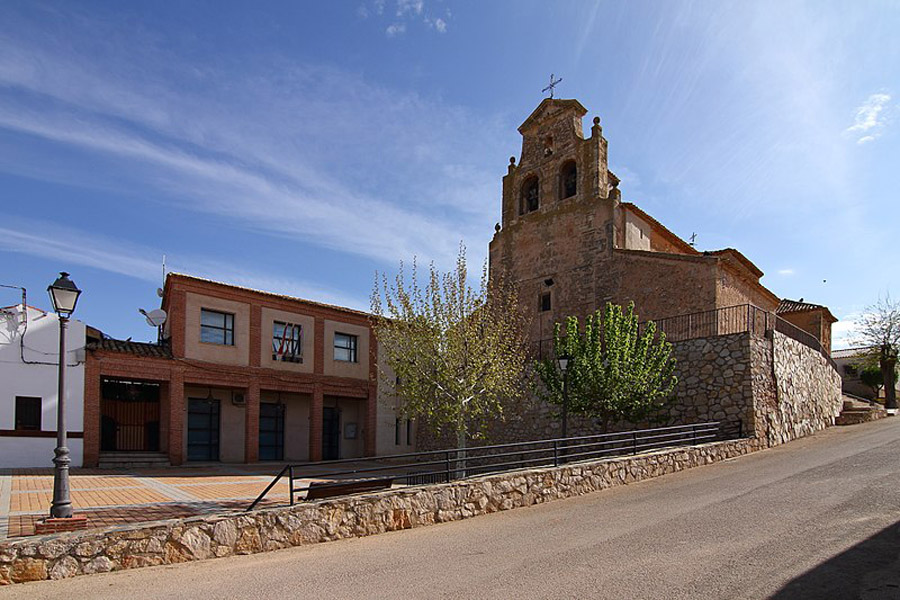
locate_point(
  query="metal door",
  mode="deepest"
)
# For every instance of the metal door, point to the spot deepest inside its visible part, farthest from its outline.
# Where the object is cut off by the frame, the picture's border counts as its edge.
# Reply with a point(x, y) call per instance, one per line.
point(203, 429)
point(129, 416)
point(331, 433)
point(271, 431)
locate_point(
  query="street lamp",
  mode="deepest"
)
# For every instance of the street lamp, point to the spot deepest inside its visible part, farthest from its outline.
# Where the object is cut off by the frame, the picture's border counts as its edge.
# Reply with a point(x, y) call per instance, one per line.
point(563, 360)
point(64, 295)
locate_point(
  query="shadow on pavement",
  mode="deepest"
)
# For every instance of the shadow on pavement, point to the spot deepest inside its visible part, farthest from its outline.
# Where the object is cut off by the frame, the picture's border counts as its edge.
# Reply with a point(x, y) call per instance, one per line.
point(869, 570)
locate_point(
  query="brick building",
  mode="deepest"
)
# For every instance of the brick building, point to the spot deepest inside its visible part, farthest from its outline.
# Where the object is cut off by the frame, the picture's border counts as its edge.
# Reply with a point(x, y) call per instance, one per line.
point(572, 244)
point(814, 319)
point(240, 376)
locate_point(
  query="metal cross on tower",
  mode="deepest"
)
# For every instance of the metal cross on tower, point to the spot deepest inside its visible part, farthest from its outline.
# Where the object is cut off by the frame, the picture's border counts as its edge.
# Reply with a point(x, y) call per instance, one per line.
point(693, 239)
point(551, 86)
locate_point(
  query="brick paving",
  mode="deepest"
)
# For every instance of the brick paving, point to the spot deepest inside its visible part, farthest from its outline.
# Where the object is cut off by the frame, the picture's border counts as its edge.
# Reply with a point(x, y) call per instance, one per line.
point(116, 497)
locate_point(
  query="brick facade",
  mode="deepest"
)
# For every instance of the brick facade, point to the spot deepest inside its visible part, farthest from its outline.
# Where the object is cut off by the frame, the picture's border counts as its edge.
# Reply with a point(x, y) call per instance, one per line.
point(183, 367)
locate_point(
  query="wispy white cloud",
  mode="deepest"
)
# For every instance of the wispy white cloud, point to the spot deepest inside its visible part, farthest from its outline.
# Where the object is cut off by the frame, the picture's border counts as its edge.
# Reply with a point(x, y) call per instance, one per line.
point(844, 332)
point(279, 157)
point(870, 118)
point(786, 272)
point(395, 29)
point(71, 246)
point(405, 7)
point(405, 11)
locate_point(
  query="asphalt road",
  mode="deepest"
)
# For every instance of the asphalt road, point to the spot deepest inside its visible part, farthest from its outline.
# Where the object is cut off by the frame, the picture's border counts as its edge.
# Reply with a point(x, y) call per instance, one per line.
point(816, 518)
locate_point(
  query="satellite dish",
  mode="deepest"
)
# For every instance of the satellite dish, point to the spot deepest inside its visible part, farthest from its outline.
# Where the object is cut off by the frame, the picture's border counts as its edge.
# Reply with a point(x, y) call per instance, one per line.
point(155, 318)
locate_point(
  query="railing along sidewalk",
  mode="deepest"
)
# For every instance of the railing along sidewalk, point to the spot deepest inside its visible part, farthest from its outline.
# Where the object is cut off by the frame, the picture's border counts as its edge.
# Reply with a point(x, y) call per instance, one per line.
point(438, 466)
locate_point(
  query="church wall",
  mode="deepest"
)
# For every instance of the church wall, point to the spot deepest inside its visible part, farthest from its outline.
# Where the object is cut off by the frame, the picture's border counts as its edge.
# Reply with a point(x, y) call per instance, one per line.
point(661, 243)
point(732, 290)
point(637, 232)
point(662, 285)
point(569, 245)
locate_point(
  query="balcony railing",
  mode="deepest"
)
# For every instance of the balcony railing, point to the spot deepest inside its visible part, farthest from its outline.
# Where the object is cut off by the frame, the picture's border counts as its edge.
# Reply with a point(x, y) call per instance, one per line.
point(743, 318)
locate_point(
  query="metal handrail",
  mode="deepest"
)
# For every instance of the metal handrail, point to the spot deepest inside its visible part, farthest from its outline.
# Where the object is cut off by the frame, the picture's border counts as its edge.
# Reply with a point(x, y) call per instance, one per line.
point(458, 463)
point(728, 320)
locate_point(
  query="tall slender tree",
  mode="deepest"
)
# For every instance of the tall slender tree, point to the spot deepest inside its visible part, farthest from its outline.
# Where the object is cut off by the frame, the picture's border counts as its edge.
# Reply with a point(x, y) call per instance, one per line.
point(456, 353)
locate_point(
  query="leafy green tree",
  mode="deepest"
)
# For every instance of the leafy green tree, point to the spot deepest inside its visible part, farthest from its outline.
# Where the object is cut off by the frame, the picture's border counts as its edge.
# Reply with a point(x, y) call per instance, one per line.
point(615, 372)
point(871, 376)
point(458, 353)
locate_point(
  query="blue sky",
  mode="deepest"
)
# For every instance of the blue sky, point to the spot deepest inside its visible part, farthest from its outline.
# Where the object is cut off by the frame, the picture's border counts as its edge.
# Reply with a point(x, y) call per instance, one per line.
point(298, 148)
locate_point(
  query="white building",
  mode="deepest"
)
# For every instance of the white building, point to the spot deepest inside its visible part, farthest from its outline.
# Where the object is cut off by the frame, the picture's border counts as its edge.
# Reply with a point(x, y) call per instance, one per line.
point(29, 368)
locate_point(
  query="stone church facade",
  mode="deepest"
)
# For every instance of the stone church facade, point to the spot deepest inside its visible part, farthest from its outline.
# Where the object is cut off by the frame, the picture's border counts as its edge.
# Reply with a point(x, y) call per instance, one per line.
point(746, 358)
point(572, 244)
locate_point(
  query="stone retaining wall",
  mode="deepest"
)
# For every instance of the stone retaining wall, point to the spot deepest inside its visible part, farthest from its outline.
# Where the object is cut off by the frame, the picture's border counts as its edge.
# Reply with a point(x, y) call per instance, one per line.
point(799, 393)
point(198, 538)
point(714, 382)
point(773, 387)
point(713, 385)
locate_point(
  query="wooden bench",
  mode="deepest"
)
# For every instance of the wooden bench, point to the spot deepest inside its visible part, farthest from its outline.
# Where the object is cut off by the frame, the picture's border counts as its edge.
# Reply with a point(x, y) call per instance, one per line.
point(327, 489)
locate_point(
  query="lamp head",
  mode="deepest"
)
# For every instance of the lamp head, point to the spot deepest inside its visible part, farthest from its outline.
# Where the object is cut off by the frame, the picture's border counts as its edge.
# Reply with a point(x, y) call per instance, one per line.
point(64, 295)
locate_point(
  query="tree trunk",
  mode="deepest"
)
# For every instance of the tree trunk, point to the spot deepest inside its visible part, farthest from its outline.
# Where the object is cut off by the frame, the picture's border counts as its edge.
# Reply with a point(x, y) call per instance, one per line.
point(460, 447)
point(888, 365)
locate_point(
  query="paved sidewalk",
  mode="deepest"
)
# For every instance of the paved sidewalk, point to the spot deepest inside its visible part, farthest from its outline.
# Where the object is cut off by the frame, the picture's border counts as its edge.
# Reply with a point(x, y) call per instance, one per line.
point(115, 497)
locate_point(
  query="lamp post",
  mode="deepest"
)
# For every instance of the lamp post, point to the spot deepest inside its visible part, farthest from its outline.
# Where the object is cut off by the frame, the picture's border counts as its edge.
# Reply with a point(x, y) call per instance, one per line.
point(64, 295)
point(563, 360)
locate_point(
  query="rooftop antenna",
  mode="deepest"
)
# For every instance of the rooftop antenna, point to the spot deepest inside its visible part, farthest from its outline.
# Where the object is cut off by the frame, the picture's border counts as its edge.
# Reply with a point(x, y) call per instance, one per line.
point(693, 241)
point(159, 290)
point(552, 85)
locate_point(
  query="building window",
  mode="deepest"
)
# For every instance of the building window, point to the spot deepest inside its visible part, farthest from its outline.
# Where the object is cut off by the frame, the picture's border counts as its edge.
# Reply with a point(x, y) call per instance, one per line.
point(531, 200)
point(396, 432)
point(28, 413)
point(409, 432)
point(345, 347)
point(287, 343)
point(544, 305)
point(568, 180)
point(216, 327)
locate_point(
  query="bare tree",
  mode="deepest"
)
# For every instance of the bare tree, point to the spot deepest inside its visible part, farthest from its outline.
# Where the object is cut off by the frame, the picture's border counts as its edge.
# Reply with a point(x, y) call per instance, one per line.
point(879, 330)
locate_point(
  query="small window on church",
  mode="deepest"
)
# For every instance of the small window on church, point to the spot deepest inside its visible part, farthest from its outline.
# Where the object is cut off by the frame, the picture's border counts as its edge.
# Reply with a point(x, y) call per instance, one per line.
point(545, 302)
point(530, 196)
point(568, 180)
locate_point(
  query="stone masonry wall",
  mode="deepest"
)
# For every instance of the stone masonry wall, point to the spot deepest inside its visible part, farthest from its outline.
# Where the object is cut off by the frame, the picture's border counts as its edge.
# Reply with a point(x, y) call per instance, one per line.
point(797, 390)
point(198, 538)
point(714, 382)
point(713, 385)
point(729, 378)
